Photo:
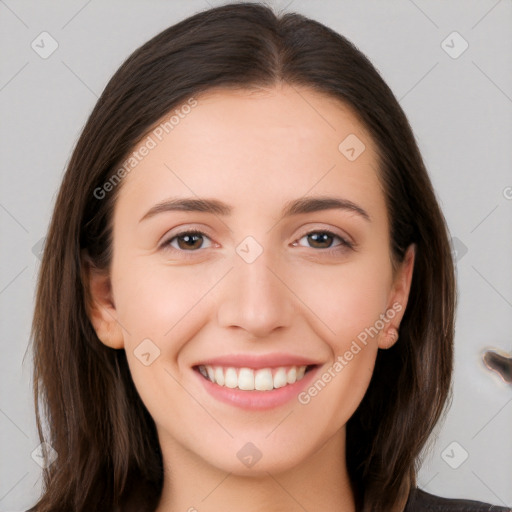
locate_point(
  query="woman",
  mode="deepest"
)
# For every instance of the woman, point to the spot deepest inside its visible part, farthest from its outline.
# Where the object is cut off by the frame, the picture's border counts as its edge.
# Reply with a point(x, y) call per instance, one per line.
point(247, 287)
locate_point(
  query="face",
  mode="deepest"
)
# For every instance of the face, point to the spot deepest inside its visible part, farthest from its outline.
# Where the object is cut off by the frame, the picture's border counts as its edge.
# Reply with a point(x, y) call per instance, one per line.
point(262, 288)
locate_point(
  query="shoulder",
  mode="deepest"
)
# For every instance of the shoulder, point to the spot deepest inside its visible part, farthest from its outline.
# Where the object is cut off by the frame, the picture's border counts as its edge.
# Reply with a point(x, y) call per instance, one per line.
point(421, 501)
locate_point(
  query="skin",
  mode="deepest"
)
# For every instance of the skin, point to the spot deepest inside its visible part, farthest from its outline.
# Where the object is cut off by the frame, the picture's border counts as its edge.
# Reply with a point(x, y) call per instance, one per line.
point(254, 151)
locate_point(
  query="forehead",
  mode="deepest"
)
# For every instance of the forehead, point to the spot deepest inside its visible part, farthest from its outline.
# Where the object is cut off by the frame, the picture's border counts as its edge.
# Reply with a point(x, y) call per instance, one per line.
point(294, 114)
point(263, 145)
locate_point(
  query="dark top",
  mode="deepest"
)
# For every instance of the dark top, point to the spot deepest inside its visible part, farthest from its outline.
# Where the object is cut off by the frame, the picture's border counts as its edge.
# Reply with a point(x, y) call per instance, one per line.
point(421, 501)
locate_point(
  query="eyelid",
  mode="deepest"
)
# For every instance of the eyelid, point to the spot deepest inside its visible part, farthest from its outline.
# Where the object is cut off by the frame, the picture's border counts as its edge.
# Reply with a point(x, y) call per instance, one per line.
point(346, 241)
point(167, 238)
point(184, 229)
point(332, 230)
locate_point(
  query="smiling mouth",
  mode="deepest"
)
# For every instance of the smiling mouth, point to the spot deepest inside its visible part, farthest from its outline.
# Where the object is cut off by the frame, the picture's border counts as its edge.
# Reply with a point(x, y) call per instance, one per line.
point(248, 379)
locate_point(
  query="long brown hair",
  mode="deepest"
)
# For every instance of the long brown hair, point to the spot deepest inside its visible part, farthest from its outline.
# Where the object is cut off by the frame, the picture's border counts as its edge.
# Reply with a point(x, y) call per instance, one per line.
point(108, 452)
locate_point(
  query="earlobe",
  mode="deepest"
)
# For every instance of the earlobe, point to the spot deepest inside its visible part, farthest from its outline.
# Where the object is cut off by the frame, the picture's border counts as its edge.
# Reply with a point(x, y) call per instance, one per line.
point(106, 326)
point(389, 338)
point(100, 306)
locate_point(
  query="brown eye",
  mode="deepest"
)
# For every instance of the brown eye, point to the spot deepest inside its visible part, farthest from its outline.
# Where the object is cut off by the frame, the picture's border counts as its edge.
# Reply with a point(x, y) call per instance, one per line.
point(320, 240)
point(324, 240)
point(187, 241)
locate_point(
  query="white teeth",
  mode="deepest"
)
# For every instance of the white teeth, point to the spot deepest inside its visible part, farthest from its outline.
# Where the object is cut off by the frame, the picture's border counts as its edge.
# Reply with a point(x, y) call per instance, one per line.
point(280, 378)
point(230, 378)
point(263, 380)
point(291, 376)
point(219, 376)
point(247, 379)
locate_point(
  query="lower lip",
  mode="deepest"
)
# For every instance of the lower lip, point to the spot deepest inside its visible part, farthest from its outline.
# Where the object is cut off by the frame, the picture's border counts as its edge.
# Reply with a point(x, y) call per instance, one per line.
point(257, 400)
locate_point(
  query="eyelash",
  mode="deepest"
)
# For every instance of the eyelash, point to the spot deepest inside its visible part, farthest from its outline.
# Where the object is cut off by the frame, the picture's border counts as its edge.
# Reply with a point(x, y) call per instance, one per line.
point(343, 245)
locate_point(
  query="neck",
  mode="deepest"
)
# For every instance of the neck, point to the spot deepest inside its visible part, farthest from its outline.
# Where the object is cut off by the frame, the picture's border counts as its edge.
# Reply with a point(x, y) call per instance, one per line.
point(319, 482)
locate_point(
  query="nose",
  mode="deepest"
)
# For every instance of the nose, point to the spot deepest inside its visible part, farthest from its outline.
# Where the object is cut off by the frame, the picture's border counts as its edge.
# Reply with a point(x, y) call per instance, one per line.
point(256, 296)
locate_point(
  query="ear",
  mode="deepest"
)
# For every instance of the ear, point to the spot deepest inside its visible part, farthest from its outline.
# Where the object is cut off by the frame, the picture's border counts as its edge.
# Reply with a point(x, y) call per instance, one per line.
point(100, 305)
point(398, 298)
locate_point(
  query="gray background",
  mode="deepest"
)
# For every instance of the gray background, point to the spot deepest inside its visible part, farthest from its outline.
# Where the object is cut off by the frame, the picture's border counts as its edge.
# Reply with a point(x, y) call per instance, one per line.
point(460, 110)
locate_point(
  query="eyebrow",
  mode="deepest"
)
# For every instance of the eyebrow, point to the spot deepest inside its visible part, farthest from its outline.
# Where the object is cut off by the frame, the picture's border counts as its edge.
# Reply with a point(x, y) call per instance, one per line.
point(295, 207)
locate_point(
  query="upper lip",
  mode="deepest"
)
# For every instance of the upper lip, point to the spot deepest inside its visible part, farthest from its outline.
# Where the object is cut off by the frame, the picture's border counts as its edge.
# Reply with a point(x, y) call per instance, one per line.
point(257, 361)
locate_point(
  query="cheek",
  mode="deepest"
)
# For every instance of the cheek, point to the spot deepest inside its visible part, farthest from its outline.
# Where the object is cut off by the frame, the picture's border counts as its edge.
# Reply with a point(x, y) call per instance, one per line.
point(337, 390)
point(160, 302)
point(346, 299)
point(160, 308)
point(349, 301)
